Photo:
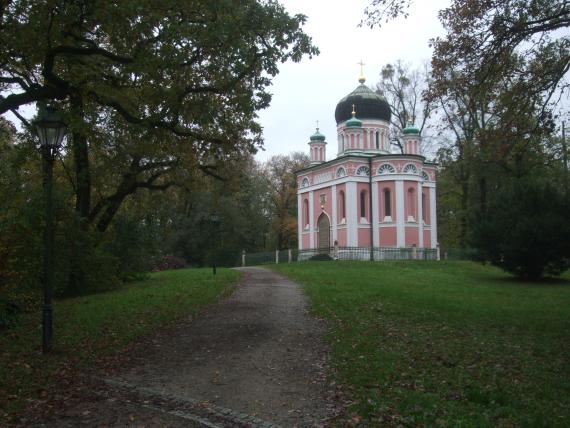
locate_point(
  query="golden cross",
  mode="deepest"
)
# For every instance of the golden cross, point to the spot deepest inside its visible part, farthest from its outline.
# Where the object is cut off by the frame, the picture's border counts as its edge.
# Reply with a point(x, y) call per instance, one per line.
point(361, 67)
point(317, 125)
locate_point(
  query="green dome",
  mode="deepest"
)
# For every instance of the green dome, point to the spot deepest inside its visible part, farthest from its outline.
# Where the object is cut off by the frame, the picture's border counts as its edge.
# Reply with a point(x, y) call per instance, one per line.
point(354, 123)
point(317, 136)
point(411, 129)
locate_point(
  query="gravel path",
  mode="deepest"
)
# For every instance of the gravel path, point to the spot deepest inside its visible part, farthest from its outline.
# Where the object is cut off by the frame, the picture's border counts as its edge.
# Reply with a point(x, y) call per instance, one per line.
point(255, 359)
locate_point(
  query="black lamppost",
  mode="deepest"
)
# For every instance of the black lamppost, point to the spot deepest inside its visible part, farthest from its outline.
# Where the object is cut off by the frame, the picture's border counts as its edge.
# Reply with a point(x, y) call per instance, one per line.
point(51, 130)
point(215, 222)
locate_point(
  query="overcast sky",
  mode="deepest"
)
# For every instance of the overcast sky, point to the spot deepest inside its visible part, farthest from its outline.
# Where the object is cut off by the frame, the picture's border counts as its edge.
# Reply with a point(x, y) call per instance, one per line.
point(309, 91)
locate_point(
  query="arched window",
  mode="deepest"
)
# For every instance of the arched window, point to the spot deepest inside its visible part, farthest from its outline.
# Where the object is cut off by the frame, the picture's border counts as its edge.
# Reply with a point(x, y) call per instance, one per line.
point(386, 169)
point(411, 205)
point(377, 139)
point(341, 205)
point(363, 204)
point(363, 170)
point(425, 177)
point(306, 213)
point(387, 203)
point(341, 172)
point(305, 182)
point(410, 169)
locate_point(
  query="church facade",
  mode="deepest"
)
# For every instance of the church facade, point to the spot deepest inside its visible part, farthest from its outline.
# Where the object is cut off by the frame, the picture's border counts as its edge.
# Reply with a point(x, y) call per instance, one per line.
point(367, 198)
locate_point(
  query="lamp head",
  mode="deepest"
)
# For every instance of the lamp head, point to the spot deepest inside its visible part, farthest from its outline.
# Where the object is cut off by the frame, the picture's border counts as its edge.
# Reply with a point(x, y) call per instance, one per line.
point(50, 127)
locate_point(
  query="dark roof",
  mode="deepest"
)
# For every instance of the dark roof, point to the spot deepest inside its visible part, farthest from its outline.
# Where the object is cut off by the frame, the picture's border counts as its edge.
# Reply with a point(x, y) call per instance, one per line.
point(367, 104)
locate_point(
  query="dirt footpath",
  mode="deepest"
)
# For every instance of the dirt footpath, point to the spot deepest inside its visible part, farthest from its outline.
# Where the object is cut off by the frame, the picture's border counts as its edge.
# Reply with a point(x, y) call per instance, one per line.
point(255, 359)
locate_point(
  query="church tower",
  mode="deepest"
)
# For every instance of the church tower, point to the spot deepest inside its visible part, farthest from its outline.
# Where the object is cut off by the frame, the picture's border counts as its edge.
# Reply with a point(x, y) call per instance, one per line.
point(363, 120)
point(412, 140)
point(318, 148)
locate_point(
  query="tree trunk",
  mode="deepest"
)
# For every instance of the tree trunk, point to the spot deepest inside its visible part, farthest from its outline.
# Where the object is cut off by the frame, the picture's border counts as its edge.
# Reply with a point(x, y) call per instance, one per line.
point(464, 213)
point(82, 171)
point(483, 195)
point(80, 148)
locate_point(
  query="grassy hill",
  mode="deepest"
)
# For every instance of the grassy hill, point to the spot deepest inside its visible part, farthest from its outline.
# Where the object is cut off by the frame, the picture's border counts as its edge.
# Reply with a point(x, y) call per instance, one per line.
point(444, 343)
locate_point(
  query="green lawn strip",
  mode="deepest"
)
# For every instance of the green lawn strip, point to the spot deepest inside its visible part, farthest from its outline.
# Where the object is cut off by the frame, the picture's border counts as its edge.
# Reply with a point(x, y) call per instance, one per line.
point(91, 327)
point(444, 343)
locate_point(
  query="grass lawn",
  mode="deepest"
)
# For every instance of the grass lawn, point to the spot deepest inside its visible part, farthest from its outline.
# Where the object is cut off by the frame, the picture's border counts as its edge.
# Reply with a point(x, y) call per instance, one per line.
point(452, 344)
point(89, 328)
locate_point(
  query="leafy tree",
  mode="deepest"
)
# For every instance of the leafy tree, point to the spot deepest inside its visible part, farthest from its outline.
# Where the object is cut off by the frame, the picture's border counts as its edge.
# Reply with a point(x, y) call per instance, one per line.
point(485, 39)
point(280, 173)
point(150, 90)
point(385, 10)
point(191, 73)
point(403, 89)
point(526, 230)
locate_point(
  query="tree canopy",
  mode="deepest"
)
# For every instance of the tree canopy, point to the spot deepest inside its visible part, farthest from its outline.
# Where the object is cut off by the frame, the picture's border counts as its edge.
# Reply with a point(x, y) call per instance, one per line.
point(198, 69)
point(154, 93)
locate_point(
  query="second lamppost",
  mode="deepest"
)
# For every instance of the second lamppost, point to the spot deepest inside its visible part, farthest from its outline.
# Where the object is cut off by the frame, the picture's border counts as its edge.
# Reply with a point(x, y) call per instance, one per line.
point(50, 129)
point(215, 222)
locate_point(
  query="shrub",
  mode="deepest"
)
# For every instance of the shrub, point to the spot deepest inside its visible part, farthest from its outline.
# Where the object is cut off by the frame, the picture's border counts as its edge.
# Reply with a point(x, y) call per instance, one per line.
point(321, 258)
point(170, 262)
point(526, 230)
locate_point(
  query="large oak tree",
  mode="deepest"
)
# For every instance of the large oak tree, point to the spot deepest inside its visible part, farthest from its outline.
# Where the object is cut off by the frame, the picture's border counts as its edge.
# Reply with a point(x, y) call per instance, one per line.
point(183, 75)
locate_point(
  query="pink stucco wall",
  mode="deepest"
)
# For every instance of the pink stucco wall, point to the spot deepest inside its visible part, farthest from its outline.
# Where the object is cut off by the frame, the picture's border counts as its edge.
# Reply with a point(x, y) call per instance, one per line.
point(427, 239)
point(342, 241)
point(412, 236)
point(364, 237)
point(388, 236)
point(306, 241)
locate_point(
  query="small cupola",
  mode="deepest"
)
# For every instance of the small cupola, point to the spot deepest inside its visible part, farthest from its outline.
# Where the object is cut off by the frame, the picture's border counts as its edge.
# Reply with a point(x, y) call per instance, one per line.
point(318, 147)
point(353, 122)
point(412, 139)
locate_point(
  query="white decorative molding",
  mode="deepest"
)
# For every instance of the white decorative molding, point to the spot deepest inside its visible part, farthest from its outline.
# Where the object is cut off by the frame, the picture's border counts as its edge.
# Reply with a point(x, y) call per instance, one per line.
point(374, 215)
point(323, 177)
point(433, 217)
point(334, 214)
point(400, 221)
point(386, 168)
point(363, 170)
point(410, 169)
point(351, 214)
point(311, 220)
point(420, 216)
point(300, 220)
point(425, 176)
point(341, 172)
point(305, 182)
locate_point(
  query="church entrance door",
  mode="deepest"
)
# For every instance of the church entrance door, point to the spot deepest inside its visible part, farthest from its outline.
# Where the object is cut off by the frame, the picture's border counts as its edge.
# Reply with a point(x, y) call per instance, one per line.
point(324, 227)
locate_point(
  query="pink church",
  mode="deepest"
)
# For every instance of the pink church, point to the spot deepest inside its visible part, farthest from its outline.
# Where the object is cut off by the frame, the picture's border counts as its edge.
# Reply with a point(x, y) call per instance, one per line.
point(367, 201)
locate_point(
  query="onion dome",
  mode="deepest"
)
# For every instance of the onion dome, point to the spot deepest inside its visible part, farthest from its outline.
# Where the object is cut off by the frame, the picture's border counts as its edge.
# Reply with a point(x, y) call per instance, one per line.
point(317, 136)
point(368, 103)
point(353, 122)
point(411, 129)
